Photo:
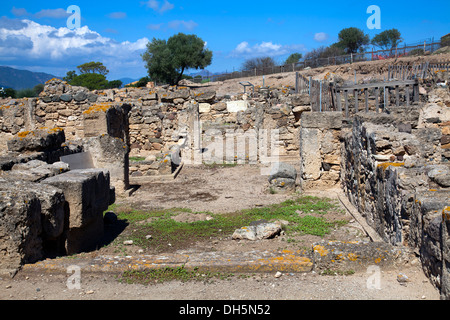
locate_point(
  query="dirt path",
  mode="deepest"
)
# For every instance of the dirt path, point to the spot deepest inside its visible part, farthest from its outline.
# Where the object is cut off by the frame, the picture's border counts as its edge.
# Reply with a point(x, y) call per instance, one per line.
point(310, 286)
point(208, 188)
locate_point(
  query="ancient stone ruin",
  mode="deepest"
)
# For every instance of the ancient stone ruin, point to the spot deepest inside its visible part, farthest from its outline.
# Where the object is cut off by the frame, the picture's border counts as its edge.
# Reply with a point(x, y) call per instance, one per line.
point(69, 153)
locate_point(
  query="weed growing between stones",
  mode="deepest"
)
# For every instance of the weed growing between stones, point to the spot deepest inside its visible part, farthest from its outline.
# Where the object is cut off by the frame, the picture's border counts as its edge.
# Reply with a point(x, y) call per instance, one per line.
point(148, 277)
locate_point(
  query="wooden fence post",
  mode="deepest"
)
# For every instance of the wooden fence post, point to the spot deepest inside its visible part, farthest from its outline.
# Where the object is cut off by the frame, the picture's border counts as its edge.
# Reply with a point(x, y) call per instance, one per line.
point(346, 102)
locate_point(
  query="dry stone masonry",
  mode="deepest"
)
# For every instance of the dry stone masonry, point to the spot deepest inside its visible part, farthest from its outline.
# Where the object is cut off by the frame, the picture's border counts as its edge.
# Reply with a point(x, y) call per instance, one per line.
point(393, 166)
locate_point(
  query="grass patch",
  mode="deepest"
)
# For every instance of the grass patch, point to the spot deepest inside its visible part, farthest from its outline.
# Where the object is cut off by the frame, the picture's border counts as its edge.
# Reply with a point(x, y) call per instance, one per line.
point(219, 165)
point(148, 277)
point(137, 159)
point(166, 231)
point(298, 213)
point(329, 272)
point(306, 215)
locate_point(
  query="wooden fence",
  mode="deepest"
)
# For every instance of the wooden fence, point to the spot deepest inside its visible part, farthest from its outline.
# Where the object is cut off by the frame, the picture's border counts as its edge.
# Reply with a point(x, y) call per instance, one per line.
point(417, 71)
point(321, 62)
point(380, 92)
point(402, 86)
point(327, 97)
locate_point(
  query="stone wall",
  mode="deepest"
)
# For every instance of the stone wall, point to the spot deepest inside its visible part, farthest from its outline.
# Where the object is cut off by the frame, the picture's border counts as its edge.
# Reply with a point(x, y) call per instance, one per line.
point(157, 118)
point(397, 176)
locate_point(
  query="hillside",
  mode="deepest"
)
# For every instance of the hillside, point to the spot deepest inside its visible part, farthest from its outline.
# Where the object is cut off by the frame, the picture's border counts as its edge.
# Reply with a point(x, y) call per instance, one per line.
point(22, 79)
point(366, 71)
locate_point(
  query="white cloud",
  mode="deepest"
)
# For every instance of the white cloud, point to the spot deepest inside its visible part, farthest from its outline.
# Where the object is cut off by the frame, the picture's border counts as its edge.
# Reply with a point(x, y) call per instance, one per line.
point(156, 5)
point(154, 26)
point(19, 12)
point(52, 13)
point(28, 43)
point(189, 25)
point(44, 13)
point(321, 37)
point(167, 6)
point(117, 15)
point(244, 49)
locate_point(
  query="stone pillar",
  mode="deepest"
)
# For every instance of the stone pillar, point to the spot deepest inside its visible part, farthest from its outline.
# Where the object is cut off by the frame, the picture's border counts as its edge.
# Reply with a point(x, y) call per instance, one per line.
point(320, 149)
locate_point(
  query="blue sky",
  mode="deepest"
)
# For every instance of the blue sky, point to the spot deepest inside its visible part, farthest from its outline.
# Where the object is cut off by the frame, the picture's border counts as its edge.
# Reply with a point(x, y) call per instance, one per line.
point(34, 34)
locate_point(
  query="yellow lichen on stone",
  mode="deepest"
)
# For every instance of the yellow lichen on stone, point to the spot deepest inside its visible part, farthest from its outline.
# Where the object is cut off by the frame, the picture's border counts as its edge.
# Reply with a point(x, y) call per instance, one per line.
point(100, 107)
point(321, 250)
point(24, 134)
point(390, 164)
point(352, 256)
point(446, 214)
point(53, 79)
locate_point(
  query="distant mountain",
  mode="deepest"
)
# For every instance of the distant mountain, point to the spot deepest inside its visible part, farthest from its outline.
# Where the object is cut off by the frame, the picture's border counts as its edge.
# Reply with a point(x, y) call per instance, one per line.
point(22, 79)
point(203, 73)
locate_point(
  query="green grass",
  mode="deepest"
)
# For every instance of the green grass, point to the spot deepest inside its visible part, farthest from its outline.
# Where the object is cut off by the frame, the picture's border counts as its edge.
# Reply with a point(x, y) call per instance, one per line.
point(306, 215)
point(298, 213)
point(329, 272)
point(150, 276)
point(137, 159)
point(220, 165)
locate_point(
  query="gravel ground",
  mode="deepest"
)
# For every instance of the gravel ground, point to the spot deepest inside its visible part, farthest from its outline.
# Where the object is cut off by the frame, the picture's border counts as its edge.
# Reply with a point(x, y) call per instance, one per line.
point(308, 286)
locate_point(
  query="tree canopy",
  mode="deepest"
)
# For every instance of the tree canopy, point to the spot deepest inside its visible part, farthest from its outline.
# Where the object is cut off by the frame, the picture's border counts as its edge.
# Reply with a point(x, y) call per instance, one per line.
point(388, 39)
point(293, 58)
point(92, 76)
point(166, 61)
point(353, 39)
point(93, 67)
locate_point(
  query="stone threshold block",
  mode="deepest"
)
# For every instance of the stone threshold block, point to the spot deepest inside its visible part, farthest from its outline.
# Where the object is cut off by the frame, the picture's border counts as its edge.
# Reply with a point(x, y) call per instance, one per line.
point(356, 256)
point(87, 192)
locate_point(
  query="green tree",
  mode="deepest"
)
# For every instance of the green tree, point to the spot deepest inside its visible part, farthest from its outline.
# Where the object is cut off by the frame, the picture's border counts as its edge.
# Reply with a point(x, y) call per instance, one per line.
point(93, 67)
point(388, 39)
point(293, 58)
point(38, 88)
point(114, 84)
point(70, 76)
point(353, 40)
point(7, 92)
point(166, 61)
point(92, 81)
point(92, 76)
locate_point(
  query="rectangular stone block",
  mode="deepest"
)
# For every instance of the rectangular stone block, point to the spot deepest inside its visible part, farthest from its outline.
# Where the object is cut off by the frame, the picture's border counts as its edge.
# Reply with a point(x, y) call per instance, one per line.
point(87, 193)
point(236, 106)
point(37, 140)
point(322, 120)
point(310, 153)
point(20, 228)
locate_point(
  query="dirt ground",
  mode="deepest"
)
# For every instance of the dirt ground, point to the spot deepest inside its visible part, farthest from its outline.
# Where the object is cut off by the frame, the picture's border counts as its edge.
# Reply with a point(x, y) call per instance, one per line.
point(220, 190)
